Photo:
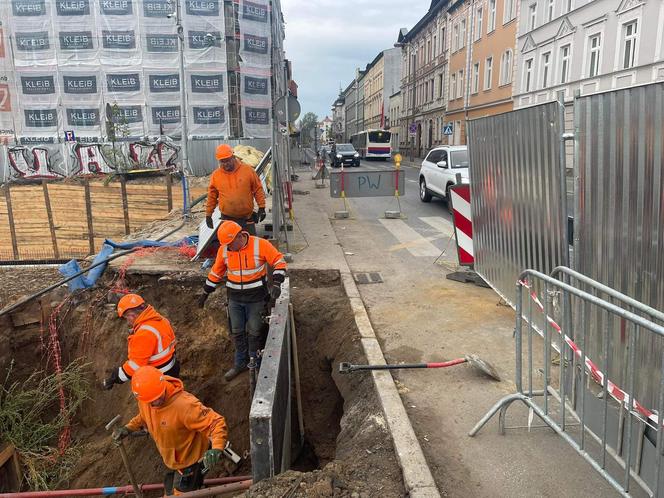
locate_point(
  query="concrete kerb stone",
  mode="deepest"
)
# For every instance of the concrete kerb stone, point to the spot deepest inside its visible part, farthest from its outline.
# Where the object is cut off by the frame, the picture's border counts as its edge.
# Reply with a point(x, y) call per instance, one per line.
point(416, 473)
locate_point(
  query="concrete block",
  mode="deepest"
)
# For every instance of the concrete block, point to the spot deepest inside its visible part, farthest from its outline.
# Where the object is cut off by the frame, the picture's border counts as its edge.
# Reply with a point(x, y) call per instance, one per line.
point(341, 215)
point(393, 215)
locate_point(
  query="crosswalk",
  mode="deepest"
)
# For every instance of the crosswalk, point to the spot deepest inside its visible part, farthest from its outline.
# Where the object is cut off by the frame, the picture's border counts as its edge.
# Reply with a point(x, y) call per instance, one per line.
point(416, 243)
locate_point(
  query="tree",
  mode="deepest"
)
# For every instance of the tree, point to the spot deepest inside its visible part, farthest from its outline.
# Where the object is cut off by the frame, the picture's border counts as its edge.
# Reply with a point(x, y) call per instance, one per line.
point(308, 122)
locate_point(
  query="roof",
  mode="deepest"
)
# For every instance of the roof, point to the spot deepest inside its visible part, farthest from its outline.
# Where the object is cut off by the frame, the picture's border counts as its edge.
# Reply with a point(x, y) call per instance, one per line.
point(395, 93)
point(373, 62)
point(435, 7)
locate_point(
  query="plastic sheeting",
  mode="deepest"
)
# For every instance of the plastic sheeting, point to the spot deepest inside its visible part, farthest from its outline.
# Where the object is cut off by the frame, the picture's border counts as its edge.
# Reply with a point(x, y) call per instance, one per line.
point(62, 61)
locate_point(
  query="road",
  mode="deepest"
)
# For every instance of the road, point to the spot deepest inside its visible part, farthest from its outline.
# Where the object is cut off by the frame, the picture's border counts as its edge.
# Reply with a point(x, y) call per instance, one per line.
point(420, 316)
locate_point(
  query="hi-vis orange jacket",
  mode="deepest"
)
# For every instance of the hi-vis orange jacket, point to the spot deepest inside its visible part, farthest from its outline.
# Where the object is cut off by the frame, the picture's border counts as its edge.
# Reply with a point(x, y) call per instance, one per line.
point(182, 428)
point(151, 343)
point(246, 269)
point(235, 192)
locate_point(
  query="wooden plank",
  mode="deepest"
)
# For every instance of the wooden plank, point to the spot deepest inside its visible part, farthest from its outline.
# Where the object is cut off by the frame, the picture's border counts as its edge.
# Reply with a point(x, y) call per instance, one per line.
point(169, 191)
point(125, 205)
point(10, 215)
point(88, 213)
point(51, 225)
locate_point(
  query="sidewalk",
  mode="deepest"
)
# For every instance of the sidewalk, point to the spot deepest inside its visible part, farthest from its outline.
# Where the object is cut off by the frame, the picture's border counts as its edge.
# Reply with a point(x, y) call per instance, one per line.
point(420, 316)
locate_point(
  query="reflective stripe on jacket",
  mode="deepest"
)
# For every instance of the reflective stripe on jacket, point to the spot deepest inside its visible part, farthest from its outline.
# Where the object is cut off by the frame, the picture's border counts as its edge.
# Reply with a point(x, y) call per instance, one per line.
point(151, 343)
point(246, 269)
point(182, 428)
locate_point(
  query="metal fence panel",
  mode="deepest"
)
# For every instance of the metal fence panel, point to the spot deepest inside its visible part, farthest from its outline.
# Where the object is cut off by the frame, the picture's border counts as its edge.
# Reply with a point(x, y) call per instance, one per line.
point(619, 213)
point(270, 415)
point(517, 195)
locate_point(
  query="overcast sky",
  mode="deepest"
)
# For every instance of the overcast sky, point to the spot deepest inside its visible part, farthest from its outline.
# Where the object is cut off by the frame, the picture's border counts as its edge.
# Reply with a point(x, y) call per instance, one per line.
point(328, 39)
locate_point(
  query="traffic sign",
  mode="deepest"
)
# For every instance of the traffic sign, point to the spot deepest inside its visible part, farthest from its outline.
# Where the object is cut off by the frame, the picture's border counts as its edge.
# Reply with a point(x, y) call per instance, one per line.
point(412, 129)
point(448, 129)
point(293, 109)
point(69, 136)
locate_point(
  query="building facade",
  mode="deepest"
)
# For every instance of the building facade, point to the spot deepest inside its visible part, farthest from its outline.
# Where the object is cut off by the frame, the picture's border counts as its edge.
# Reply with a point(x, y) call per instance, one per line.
point(393, 121)
point(424, 53)
point(481, 62)
point(380, 81)
point(325, 130)
point(587, 46)
point(338, 119)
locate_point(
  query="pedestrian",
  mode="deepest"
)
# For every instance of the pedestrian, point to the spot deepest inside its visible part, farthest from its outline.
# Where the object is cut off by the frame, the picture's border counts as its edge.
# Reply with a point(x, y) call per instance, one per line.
point(233, 186)
point(243, 259)
point(150, 342)
point(190, 436)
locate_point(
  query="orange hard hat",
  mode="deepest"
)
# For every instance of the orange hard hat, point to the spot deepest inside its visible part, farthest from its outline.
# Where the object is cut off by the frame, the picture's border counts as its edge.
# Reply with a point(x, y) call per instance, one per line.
point(223, 151)
point(227, 232)
point(148, 384)
point(129, 301)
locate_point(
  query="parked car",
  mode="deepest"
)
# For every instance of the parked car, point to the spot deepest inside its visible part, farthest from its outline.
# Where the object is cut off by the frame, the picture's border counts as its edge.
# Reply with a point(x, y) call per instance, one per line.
point(439, 170)
point(346, 155)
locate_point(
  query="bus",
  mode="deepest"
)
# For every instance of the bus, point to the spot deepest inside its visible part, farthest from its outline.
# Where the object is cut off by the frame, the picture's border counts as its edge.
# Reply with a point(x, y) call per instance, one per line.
point(373, 143)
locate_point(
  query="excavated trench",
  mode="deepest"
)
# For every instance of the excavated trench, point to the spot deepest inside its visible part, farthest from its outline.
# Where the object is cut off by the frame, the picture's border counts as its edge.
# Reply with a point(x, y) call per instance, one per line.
point(347, 451)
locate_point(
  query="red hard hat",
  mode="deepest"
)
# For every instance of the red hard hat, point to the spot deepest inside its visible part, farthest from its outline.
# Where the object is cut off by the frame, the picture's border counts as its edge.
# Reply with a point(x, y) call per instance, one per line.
point(227, 232)
point(224, 151)
point(128, 302)
point(148, 384)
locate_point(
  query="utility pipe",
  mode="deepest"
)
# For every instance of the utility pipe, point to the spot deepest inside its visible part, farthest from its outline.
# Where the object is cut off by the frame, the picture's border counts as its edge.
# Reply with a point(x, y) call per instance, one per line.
point(116, 255)
point(217, 490)
point(114, 490)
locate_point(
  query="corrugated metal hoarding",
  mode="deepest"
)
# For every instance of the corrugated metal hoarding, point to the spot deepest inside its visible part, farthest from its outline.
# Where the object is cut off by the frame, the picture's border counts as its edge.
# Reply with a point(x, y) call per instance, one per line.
point(517, 194)
point(619, 217)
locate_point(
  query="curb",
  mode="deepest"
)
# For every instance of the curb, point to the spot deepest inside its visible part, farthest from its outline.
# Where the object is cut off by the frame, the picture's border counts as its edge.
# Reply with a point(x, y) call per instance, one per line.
point(417, 477)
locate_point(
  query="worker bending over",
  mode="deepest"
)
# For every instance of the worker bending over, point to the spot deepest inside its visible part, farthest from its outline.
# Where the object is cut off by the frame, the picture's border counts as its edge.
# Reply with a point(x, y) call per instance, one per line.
point(190, 437)
point(243, 259)
point(151, 341)
point(233, 186)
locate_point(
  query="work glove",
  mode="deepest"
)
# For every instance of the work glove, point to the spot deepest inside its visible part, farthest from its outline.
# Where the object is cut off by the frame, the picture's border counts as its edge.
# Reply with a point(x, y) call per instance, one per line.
point(275, 291)
point(202, 299)
point(211, 458)
point(120, 433)
point(261, 214)
point(278, 278)
point(112, 380)
point(209, 222)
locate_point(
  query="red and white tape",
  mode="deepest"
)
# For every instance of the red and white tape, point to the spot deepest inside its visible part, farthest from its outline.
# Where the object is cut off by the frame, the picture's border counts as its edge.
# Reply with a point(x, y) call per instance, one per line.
point(616, 392)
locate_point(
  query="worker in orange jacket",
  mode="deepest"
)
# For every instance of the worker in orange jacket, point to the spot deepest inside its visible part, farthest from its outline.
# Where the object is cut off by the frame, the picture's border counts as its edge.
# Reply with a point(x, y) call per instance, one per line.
point(190, 437)
point(151, 342)
point(233, 186)
point(243, 260)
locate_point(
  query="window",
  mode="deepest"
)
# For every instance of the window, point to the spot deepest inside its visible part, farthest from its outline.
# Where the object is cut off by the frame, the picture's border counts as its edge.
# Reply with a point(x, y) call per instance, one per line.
point(564, 64)
point(595, 48)
point(453, 87)
point(510, 11)
point(629, 54)
point(478, 24)
point(443, 40)
point(432, 88)
point(532, 19)
point(426, 91)
point(568, 5)
point(546, 69)
point(440, 86)
point(550, 10)
point(429, 51)
point(455, 38)
point(463, 33)
point(488, 73)
point(527, 75)
point(435, 45)
point(476, 77)
point(491, 22)
point(460, 91)
point(506, 68)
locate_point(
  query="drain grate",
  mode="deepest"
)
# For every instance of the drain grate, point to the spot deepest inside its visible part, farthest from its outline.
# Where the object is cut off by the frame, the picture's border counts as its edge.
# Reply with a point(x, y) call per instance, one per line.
point(370, 277)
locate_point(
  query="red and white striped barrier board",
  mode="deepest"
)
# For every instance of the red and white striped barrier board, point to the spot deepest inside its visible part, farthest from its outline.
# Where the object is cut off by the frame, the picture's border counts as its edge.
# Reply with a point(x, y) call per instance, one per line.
point(463, 224)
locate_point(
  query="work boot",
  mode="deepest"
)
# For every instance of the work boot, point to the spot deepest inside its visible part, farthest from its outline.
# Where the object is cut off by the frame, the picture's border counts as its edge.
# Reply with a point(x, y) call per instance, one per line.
point(234, 372)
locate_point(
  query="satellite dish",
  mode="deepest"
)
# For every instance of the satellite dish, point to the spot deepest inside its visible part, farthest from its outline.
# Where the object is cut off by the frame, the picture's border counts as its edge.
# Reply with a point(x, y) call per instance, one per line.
point(294, 109)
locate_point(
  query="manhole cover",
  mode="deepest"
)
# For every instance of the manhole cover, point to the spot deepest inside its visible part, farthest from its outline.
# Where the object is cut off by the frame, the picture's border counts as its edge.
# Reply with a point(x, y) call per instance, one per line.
point(371, 277)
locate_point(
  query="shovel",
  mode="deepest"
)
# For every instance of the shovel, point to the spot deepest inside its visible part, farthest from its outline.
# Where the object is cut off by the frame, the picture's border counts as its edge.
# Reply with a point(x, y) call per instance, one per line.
point(472, 359)
point(125, 458)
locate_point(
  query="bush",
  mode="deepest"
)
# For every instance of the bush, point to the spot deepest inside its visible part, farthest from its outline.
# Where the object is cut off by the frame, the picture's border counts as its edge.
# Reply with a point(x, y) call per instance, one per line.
point(33, 420)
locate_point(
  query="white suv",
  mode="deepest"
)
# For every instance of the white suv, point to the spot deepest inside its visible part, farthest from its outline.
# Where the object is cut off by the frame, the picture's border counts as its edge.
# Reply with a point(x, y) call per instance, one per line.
point(439, 170)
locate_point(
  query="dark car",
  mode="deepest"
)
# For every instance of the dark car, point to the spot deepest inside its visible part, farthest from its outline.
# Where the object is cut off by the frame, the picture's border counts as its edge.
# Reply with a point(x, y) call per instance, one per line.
point(344, 154)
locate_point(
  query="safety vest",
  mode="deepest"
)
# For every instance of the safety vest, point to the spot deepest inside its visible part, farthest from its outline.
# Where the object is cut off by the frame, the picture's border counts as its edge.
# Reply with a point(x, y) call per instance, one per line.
point(152, 343)
point(246, 269)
